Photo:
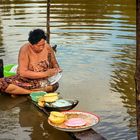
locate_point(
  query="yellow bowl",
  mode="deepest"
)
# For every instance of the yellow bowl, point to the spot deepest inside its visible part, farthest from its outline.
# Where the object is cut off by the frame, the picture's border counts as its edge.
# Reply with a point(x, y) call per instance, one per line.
point(41, 103)
point(57, 117)
point(51, 97)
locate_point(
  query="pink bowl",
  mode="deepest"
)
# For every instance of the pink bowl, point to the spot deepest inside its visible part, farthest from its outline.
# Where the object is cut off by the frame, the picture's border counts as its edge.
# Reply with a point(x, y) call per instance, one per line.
point(73, 122)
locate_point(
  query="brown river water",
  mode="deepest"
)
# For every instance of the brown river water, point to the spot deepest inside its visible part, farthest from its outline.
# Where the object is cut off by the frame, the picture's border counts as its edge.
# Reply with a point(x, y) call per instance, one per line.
point(96, 49)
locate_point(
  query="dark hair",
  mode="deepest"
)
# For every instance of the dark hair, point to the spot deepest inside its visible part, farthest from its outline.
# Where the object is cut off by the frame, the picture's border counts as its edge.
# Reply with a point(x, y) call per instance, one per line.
point(36, 35)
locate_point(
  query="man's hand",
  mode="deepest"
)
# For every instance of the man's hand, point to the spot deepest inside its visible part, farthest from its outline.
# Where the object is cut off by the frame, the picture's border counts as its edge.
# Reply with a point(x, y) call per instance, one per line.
point(52, 72)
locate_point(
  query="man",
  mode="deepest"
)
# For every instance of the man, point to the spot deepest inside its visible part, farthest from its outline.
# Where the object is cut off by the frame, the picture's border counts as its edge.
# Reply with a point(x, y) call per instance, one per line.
point(36, 63)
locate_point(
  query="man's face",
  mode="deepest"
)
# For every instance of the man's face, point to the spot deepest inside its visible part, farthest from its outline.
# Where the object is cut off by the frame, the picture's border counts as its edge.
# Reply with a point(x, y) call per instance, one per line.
point(39, 46)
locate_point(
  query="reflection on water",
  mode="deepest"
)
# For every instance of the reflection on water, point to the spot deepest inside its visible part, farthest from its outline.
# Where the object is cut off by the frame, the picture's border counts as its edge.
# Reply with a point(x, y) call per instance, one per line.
point(26, 122)
point(123, 79)
point(96, 50)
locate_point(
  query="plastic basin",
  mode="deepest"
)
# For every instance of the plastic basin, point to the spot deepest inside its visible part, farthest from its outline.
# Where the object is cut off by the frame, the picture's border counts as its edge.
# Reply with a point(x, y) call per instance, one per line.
point(7, 71)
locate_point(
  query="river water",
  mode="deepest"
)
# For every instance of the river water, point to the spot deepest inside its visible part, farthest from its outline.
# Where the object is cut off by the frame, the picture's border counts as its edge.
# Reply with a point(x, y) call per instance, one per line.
point(96, 50)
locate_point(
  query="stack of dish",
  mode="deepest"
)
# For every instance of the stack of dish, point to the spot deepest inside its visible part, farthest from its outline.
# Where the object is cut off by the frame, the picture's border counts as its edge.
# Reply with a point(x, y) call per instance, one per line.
point(61, 116)
point(73, 121)
point(52, 101)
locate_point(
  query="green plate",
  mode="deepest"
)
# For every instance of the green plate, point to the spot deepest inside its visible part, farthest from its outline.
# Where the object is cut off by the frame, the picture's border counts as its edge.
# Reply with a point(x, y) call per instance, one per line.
point(36, 95)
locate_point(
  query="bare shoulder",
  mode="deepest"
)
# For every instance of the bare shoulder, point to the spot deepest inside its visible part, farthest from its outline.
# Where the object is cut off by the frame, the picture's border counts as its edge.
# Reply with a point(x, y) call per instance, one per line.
point(24, 48)
point(49, 48)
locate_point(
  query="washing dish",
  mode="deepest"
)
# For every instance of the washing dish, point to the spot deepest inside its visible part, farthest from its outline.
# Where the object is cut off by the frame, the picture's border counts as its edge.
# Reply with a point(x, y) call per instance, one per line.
point(54, 79)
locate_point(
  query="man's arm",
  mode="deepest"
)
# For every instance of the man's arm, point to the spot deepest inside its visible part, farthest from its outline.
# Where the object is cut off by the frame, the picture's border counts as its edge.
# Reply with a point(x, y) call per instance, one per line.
point(53, 61)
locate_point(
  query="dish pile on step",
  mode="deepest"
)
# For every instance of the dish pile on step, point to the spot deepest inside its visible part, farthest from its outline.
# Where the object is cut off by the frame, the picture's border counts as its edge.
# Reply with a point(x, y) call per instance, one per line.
point(52, 101)
point(72, 121)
